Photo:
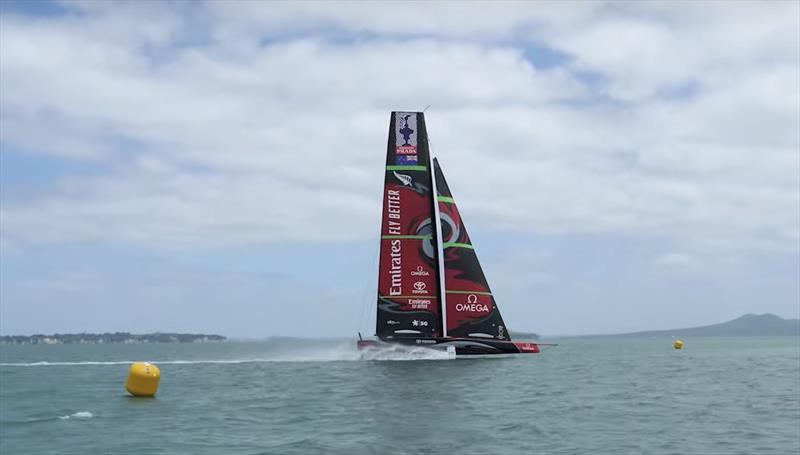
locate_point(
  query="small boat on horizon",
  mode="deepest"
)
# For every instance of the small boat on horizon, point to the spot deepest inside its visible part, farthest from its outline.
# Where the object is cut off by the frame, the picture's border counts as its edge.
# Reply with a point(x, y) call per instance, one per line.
point(432, 291)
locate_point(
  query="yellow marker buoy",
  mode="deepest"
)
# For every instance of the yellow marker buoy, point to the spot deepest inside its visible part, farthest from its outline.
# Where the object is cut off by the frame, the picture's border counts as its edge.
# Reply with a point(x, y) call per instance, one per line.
point(143, 379)
point(678, 344)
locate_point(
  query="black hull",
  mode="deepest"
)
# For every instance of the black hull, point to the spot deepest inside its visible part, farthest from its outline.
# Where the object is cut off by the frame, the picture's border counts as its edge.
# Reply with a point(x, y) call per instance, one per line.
point(462, 346)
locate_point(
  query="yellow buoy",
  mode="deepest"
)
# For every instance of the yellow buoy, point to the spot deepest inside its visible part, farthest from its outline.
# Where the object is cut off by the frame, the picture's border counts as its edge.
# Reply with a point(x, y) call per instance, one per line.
point(143, 379)
point(678, 344)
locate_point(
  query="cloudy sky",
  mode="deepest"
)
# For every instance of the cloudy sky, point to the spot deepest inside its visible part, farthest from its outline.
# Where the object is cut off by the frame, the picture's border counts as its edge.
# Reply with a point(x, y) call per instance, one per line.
point(217, 167)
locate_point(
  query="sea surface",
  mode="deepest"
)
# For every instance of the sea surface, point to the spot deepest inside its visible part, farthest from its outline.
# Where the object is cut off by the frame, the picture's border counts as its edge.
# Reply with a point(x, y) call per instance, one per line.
point(606, 396)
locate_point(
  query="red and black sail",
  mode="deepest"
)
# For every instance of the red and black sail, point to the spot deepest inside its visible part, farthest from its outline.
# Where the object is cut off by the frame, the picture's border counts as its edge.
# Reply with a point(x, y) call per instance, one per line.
point(408, 282)
point(471, 308)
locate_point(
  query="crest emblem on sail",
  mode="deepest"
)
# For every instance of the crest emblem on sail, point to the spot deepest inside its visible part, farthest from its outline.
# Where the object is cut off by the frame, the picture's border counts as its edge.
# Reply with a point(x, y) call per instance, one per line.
point(406, 137)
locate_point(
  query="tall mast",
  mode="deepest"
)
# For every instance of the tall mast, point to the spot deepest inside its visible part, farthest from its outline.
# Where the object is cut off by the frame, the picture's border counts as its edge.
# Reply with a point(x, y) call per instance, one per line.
point(438, 245)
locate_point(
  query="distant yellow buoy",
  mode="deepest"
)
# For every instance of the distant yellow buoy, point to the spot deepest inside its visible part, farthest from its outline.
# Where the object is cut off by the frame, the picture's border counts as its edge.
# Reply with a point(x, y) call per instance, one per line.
point(143, 379)
point(678, 344)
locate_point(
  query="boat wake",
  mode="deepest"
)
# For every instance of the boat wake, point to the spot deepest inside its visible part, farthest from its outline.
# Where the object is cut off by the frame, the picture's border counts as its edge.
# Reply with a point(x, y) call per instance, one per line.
point(400, 352)
point(78, 415)
point(57, 364)
point(173, 362)
point(339, 352)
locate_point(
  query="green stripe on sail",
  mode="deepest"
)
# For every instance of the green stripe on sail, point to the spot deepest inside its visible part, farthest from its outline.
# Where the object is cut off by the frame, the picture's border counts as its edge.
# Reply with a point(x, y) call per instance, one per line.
point(420, 237)
point(469, 292)
point(458, 245)
point(406, 168)
point(407, 297)
point(445, 199)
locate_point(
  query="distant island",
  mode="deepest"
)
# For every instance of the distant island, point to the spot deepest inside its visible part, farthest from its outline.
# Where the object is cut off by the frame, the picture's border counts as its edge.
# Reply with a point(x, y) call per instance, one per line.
point(744, 326)
point(109, 338)
point(523, 335)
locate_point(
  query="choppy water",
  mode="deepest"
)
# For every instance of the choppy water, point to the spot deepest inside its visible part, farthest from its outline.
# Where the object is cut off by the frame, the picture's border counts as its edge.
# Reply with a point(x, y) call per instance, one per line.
point(717, 396)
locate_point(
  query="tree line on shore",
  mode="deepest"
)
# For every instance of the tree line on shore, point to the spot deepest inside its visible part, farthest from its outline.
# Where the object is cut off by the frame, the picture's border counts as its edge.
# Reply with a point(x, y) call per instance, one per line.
point(107, 338)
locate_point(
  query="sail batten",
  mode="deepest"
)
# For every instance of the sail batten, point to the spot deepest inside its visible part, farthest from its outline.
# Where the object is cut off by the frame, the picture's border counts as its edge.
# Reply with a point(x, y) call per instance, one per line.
point(458, 245)
point(406, 168)
point(468, 292)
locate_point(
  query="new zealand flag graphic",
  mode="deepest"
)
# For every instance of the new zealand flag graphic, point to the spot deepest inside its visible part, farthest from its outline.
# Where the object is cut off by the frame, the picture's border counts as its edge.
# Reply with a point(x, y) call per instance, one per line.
point(406, 159)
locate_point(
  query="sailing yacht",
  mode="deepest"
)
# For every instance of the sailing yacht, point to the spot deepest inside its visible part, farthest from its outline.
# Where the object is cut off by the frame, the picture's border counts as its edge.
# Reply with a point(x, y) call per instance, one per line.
point(432, 291)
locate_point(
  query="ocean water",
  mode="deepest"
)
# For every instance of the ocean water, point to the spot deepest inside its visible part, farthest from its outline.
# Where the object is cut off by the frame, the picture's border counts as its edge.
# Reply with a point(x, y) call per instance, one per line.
point(716, 396)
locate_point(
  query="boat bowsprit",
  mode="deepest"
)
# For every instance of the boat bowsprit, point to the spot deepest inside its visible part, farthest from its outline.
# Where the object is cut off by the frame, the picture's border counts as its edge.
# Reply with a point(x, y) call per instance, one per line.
point(432, 291)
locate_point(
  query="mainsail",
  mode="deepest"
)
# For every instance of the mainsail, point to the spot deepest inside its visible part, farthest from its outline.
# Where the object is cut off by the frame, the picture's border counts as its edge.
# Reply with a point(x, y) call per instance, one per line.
point(471, 309)
point(408, 283)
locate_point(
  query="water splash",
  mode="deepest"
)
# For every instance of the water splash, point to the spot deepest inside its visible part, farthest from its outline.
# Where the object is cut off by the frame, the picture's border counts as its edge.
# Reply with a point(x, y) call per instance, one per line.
point(78, 415)
point(400, 353)
point(50, 364)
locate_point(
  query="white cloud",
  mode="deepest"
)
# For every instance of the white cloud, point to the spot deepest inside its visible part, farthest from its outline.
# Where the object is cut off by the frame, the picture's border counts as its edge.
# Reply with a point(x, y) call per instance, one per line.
point(465, 21)
point(258, 131)
point(675, 260)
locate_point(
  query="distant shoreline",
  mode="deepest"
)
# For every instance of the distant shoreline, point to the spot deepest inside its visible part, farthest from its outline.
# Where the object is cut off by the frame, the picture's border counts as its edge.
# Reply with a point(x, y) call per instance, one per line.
point(747, 325)
point(110, 338)
point(743, 326)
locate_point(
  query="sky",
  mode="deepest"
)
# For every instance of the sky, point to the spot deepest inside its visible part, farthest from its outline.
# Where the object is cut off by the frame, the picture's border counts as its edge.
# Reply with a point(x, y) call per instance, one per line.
point(216, 167)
